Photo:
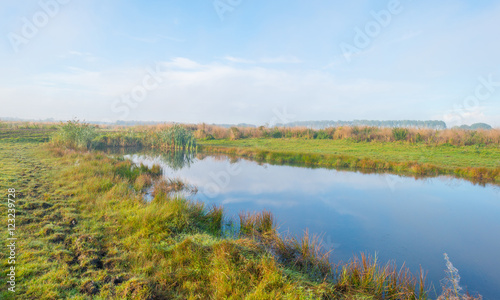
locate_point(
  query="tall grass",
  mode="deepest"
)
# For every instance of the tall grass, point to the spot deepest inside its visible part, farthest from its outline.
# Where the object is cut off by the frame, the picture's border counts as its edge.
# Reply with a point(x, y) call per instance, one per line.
point(365, 274)
point(305, 255)
point(261, 223)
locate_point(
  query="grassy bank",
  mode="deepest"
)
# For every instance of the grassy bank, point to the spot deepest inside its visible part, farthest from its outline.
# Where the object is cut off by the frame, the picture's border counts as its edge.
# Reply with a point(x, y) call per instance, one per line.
point(84, 232)
point(476, 163)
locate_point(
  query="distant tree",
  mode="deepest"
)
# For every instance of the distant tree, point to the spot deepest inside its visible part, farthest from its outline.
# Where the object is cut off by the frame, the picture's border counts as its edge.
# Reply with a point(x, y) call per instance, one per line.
point(480, 126)
point(434, 124)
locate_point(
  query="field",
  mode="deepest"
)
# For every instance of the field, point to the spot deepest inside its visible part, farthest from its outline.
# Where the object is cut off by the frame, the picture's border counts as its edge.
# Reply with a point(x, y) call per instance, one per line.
point(475, 162)
point(85, 232)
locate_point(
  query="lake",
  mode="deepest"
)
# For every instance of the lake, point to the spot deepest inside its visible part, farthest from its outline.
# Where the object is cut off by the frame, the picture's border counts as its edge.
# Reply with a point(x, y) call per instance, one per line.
point(402, 219)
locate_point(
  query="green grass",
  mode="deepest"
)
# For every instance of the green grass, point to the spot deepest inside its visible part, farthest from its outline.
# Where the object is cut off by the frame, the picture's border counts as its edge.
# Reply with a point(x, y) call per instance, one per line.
point(85, 232)
point(473, 162)
point(25, 135)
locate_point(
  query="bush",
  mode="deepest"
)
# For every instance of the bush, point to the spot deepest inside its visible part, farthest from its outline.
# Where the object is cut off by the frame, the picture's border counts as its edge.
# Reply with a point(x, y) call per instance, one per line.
point(277, 134)
point(235, 133)
point(322, 135)
point(400, 134)
point(76, 135)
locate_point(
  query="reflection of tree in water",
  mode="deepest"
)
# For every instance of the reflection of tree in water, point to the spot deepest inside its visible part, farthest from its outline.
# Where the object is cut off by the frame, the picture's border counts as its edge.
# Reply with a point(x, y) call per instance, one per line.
point(121, 150)
point(219, 157)
point(176, 160)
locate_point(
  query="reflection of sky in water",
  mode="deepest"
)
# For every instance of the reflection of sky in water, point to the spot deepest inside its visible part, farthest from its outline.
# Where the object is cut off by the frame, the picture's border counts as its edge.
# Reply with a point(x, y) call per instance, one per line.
point(402, 219)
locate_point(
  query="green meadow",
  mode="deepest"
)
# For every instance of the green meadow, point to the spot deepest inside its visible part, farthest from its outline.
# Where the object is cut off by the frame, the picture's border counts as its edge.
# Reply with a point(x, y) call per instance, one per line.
point(474, 162)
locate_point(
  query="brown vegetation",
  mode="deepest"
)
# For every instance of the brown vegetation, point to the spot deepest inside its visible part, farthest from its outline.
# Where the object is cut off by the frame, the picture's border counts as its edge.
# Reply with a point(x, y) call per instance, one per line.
point(456, 137)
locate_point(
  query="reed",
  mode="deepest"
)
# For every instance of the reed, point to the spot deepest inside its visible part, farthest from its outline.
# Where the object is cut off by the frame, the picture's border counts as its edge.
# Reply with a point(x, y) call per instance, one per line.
point(175, 137)
point(304, 254)
point(257, 223)
point(364, 274)
point(215, 217)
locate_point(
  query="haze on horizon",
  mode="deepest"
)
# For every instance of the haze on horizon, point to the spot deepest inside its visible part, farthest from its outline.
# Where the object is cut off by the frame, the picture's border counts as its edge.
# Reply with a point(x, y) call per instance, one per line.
point(236, 61)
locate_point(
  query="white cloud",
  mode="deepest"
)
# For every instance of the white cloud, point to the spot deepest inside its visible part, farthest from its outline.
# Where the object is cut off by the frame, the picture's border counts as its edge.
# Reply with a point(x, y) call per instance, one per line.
point(468, 117)
point(153, 38)
point(182, 63)
point(239, 60)
point(281, 60)
point(267, 60)
point(409, 35)
point(216, 93)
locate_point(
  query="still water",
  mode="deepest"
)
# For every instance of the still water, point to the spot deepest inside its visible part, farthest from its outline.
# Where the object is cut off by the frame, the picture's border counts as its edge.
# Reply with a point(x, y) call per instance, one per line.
point(399, 219)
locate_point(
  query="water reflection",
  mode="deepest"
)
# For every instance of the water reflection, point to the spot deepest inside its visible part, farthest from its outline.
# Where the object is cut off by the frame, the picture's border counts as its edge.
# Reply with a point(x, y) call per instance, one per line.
point(174, 160)
point(412, 221)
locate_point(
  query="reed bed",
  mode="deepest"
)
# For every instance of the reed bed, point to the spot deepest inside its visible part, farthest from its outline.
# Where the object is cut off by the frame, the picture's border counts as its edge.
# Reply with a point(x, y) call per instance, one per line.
point(183, 137)
point(80, 135)
point(176, 136)
point(454, 136)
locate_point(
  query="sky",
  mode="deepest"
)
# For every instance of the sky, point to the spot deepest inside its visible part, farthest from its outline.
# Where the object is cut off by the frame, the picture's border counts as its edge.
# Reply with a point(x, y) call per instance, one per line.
point(258, 62)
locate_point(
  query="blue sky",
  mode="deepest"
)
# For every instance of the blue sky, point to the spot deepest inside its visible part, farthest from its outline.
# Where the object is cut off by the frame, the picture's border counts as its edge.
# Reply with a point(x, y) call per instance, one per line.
point(232, 61)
